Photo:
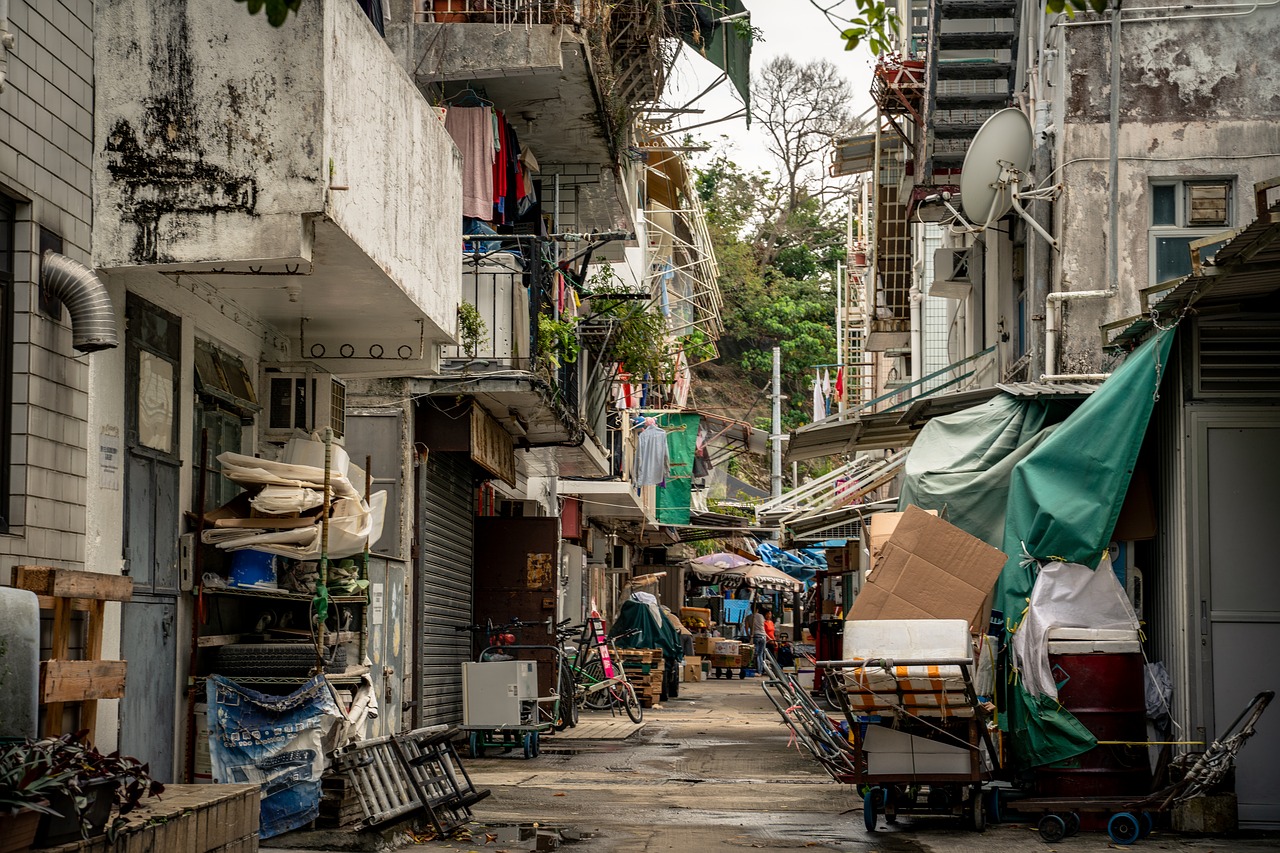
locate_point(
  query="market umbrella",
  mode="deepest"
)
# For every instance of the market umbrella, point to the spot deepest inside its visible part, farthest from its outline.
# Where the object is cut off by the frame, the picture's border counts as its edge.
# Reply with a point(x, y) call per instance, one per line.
point(722, 560)
point(756, 575)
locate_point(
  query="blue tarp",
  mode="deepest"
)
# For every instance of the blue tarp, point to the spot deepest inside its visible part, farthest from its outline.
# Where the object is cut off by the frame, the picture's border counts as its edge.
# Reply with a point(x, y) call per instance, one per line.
point(274, 741)
point(800, 563)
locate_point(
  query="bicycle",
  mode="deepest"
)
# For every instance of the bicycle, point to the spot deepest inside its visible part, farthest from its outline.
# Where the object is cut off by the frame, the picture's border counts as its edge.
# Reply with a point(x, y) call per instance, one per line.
point(599, 681)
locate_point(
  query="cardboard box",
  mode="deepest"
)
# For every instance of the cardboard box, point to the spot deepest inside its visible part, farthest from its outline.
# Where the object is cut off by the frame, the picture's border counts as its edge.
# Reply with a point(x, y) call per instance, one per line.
point(726, 647)
point(929, 569)
point(692, 671)
point(880, 527)
point(695, 617)
point(704, 646)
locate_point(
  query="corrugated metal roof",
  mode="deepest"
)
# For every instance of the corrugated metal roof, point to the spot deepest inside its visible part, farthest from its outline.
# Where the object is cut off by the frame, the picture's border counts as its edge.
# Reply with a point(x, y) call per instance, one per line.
point(1246, 267)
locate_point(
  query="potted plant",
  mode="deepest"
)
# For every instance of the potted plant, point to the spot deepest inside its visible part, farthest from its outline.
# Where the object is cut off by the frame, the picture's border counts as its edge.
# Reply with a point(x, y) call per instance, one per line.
point(637, 335)
point(94, 782)
point(26, 784)
point(471, 328)
point(557, 340)
point(896, 69)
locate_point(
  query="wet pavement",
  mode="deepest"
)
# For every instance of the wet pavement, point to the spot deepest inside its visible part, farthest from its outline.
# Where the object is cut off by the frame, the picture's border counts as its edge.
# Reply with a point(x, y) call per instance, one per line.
point(715, 770)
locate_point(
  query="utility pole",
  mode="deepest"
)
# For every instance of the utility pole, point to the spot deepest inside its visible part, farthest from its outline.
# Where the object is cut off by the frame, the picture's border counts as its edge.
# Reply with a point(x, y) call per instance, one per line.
point(775, 479)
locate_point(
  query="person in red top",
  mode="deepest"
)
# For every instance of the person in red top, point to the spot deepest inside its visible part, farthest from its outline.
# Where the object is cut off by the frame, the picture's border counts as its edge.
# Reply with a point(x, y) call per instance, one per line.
point(771, 640)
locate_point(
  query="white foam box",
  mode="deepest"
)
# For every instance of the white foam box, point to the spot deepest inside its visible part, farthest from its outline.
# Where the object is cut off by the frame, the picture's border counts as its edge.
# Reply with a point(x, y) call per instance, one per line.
point(907, 639)
point(1084, 641)
point(891, 752)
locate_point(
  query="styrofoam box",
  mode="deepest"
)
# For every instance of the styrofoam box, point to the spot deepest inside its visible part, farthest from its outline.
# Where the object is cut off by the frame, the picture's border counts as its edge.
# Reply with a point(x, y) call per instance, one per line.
point(893, 752)
point(907, 639)
point(1093, 633)
point(1084, 641)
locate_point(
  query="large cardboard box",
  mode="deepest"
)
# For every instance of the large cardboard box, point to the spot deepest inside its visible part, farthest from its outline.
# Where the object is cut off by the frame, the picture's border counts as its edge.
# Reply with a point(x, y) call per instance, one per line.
point(929, 569)
point(704, 645)
point(692, 668)
point(880, 527)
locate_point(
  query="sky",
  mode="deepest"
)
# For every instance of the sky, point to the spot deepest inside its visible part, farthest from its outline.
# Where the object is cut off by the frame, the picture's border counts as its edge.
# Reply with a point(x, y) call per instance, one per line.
point(790, 27)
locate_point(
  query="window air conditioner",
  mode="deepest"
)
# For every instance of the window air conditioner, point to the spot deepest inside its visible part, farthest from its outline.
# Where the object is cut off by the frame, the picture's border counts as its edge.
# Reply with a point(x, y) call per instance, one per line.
point(955, 272)
point(302, 399)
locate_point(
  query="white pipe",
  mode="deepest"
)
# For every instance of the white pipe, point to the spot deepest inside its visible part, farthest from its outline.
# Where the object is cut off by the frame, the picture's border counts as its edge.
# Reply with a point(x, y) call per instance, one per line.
point(917, 331)
point(839, 316)
point(1246, 9)
point(1077, 377)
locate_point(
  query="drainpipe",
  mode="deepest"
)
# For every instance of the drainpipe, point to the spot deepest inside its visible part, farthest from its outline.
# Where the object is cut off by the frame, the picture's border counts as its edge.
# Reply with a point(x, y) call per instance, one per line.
point(1053, 302)
point(915, 297)
point(93, 319)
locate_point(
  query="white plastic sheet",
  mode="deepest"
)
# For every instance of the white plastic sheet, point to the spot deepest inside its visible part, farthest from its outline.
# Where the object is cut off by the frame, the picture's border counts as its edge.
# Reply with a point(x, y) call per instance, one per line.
point(351, 525)
point(1067, 595)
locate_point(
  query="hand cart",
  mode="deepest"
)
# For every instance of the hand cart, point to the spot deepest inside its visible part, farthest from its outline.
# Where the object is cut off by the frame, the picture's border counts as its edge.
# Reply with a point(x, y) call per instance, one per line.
point(919, 735)
point(501, 706)
point(1129, 819)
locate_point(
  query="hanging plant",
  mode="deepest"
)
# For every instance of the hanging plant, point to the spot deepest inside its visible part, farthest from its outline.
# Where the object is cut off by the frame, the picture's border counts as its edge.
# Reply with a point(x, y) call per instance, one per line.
point(639, 339)
point(471, 328)
point(558, 340)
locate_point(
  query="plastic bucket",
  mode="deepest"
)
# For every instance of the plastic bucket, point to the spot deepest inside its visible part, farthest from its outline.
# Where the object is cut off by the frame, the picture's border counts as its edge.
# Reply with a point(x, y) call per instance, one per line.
point(249, 567)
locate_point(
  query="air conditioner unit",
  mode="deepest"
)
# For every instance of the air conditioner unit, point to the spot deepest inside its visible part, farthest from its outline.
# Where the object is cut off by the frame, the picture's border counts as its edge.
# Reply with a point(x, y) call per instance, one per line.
point(956, 272)
point(301, 399)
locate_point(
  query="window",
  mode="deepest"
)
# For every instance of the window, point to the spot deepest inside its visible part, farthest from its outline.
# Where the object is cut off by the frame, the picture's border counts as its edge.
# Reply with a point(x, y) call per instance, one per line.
point(225, 404)
point(8, 225)
point(1183, 212)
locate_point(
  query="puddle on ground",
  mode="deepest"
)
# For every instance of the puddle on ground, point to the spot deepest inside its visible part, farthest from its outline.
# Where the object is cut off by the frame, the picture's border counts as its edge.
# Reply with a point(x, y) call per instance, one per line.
point(538, 838)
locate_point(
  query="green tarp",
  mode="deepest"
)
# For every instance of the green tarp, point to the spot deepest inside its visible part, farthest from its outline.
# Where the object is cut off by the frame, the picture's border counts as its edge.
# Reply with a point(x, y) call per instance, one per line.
point(1014, 474)
point(1064, 499)
point(673, 499)
point(726, 45)
point(655, 631)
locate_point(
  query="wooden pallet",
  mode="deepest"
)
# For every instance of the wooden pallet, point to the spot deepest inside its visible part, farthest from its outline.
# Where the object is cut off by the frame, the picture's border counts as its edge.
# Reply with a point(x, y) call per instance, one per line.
point(64, 681)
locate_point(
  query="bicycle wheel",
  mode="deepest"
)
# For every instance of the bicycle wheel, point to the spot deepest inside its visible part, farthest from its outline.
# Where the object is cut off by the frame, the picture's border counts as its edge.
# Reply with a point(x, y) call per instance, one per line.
point(591, 674)
point(631, 702)
point(567, 705)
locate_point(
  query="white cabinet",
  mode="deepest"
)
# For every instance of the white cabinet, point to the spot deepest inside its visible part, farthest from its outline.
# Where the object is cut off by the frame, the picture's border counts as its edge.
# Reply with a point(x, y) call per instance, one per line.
point(499, 693)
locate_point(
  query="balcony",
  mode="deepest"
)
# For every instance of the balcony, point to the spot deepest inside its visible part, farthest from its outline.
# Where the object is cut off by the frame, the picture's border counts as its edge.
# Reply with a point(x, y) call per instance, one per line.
point(240, 155)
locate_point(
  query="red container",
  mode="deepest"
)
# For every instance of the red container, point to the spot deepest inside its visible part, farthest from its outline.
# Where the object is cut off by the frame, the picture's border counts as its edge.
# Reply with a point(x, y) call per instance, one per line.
point(1105, 693)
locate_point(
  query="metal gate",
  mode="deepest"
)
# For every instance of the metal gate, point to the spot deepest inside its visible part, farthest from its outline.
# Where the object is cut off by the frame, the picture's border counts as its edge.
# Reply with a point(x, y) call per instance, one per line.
point(446, 522)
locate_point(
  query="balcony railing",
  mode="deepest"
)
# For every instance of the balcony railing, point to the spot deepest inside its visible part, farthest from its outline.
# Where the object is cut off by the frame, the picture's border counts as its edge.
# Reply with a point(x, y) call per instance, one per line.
point(509, 12)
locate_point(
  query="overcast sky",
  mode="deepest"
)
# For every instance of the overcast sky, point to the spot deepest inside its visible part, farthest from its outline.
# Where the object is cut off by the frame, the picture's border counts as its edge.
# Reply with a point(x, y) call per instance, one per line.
point(791, 27)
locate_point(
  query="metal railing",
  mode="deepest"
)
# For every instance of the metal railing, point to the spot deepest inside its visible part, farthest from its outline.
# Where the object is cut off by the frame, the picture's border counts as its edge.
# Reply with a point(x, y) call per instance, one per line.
point(507, 12)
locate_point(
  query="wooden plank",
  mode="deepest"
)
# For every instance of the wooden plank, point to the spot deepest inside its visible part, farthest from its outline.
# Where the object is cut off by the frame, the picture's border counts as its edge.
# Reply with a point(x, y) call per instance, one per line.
point(78, 680)
point(92, 652)
point(213, 640)
point(69, 583)
point(45, 602)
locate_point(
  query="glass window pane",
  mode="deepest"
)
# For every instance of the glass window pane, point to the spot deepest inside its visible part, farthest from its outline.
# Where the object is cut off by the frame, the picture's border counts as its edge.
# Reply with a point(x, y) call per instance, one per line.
point(1173, 258)
point(1164, 204)
point(155, 402)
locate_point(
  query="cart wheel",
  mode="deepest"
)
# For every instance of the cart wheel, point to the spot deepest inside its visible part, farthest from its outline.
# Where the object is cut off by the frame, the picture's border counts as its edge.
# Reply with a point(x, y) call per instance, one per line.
point(537, 744)
point(1052, 828)
point(526, 743)
point(477, 745)
point(1123, 828)
point(977, 814)
point(1148, 824)
point(889, 799)
point(1073, 823)
point(742, 673)
point(993, 805)
point(869, 809)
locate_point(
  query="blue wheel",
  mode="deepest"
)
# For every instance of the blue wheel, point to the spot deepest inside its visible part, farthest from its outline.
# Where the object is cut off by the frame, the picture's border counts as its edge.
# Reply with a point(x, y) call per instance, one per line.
point(993, 805)
point(526, 743)
point(537, 744)
point(476, 742)
point(869, 809)
point(1148, 824)
point(1052, 828)
point(1123, 828)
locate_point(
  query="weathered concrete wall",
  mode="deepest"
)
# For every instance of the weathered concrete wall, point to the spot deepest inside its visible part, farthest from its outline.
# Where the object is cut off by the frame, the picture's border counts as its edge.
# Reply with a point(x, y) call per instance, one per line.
point(478, 51)
point(208, 132)
point(1199, 98)
point(45, 154)
point(404, 202)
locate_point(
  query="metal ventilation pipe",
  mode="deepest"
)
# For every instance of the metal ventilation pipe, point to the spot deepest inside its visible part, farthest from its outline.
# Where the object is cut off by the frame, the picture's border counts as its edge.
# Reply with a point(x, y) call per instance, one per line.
point(93, 318)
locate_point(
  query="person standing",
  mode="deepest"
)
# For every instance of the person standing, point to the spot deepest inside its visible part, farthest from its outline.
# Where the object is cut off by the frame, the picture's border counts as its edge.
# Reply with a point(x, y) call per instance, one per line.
point(759, 636)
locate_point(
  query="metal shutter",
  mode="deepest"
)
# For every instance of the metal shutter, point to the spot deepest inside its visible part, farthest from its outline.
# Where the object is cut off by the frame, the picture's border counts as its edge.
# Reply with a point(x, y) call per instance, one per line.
point(444, 571)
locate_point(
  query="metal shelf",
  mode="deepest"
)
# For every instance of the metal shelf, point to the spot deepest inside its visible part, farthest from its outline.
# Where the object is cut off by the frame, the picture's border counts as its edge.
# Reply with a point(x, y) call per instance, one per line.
point(285, 595)
point(351, 675)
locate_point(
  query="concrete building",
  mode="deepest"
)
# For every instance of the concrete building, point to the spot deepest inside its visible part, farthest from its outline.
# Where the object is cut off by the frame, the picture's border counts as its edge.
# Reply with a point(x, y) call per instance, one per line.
point(1151, 144)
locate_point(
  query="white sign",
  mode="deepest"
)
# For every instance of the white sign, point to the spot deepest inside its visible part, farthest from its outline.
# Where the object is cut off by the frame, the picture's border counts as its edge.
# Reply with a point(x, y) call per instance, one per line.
point(375, 603)
point(109, 458)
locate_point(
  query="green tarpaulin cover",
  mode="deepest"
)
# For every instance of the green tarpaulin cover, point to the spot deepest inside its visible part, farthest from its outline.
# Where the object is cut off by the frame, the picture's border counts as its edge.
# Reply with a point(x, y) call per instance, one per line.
point(673, 499)
point(726, 45)
point(1015, 474)
point(655, 631)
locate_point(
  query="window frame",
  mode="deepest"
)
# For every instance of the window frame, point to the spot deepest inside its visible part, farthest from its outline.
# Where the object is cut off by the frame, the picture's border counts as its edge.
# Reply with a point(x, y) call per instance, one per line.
point(8, 275)
point(1180, 228)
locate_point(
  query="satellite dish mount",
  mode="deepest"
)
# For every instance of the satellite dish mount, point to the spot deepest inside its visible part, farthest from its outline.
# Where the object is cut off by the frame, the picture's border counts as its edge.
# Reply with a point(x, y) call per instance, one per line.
point(994, 168)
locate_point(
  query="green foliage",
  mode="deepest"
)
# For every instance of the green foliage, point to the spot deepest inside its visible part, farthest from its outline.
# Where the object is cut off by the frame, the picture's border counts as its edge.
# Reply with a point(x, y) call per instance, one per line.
point(639, 338)
point(471, 328)
point(1070, 7)
point(873, 25)
point(277, 10)
point(558, 340)
point(698, 347)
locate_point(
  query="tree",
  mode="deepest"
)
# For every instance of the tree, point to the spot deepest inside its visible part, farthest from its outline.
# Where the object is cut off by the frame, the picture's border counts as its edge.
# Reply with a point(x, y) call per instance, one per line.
point(872, 22)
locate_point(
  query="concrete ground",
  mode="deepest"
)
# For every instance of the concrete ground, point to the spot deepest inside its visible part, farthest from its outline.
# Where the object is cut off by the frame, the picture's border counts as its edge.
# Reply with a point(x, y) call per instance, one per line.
point(715, 770)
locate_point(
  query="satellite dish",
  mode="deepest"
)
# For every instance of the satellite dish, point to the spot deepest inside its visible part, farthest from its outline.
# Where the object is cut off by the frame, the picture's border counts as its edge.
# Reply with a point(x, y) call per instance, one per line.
point(1002, 143)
